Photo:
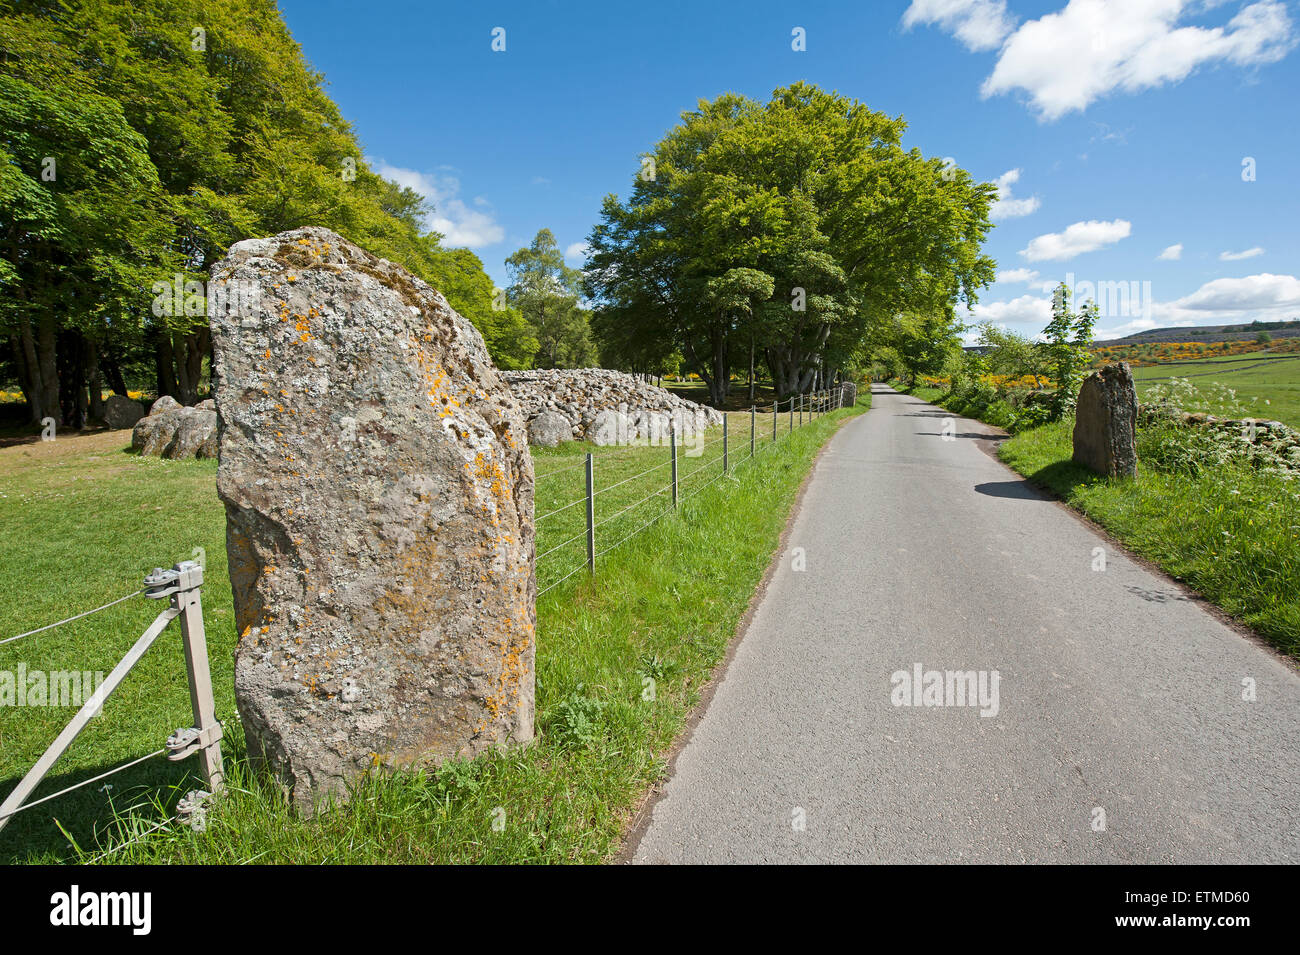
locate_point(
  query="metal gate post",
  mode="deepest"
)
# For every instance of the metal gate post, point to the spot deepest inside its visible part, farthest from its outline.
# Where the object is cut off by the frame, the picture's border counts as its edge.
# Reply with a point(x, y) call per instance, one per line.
point(672, 436)
point(591, 515)
point(208, 740)
point(725, 462)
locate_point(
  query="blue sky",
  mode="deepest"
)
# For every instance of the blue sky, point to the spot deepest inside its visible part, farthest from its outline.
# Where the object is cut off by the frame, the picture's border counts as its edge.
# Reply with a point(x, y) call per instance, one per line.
point(1118, 128)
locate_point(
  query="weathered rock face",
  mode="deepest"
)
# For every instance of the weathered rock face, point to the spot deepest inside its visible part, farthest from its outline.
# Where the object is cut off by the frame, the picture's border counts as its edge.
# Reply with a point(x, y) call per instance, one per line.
point(607, 407)
point(122, 412)
point(1105, 422)
point(171, 430)
point(549, 429)
point(379, 504)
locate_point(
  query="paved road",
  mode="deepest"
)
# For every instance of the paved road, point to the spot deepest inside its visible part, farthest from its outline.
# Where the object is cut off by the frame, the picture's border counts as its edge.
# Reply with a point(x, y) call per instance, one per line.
point(1116, 692)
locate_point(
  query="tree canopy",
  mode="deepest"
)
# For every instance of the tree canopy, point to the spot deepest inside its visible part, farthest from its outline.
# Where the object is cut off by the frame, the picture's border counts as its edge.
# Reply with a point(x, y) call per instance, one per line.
point(789, 226)
point(137, 143)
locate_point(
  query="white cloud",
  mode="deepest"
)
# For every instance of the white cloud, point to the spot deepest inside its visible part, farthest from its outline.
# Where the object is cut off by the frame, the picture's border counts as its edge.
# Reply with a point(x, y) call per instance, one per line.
point(457, 222)
point(1238, 256)
point(1075, 240)
point(979, 24)
point(1089, 49)
point(1262, 297)
point(1172, 254)
point(1253, 293)
point(1007, 207)
point(1017, 275)
point(577, 251)
point(1022, 310)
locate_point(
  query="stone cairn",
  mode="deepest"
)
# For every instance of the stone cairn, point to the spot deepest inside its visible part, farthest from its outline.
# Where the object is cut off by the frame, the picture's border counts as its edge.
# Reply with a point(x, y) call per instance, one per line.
point(172, 430)
point(379, 502)
point(603, 407)
point(1105, 422)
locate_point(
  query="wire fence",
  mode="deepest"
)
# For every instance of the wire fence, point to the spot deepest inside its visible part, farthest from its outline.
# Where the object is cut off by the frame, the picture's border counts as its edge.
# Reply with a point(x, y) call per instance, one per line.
point(180, 586)
point(591, 514)
point(692, 462)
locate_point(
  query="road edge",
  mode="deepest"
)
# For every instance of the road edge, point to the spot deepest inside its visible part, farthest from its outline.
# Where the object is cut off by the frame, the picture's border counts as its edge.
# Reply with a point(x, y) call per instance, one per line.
point(644, 813)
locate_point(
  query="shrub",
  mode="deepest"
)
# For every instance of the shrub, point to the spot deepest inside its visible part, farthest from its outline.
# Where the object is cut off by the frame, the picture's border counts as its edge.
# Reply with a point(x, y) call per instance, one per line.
point(576, 722)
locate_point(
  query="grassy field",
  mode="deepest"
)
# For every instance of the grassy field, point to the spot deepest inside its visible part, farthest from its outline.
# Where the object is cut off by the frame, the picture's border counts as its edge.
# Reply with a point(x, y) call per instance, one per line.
point(1231, 533)
point(1267, 387)
point(83, 522)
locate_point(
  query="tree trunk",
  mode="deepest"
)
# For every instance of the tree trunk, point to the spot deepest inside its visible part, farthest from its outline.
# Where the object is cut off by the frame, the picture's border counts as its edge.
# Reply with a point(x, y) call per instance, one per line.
point(751, 367)
point(95, 381)
point(47, 352)
point(71, 364)
point(113, 374)
point(30, 368)
point(164, 366)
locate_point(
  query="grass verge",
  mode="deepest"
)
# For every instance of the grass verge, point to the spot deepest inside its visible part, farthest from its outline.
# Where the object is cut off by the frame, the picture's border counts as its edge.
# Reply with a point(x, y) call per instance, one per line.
point(86, 521)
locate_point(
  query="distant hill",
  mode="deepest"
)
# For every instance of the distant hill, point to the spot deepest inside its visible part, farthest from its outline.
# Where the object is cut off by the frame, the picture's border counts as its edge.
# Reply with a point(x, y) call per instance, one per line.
point(1209, 333)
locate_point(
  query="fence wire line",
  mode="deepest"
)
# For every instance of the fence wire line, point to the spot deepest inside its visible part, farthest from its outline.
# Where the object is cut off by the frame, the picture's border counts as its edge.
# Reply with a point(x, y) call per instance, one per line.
point(564, 507)
point(694, 491)
point(51, 626)
point(668, 510)
point(572, 467)
point(696, 470)
point(639, 474)
point(565, 544)
point(36, 802)
point(655, 493)
point(557, 583)
point(601, 553)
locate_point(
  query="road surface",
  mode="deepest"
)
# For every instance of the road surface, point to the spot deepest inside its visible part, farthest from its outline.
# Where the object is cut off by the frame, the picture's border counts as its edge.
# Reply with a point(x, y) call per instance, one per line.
point(1119, 732)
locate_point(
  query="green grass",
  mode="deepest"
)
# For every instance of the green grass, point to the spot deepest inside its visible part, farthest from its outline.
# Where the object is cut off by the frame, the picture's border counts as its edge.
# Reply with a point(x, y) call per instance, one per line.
point(83, 522)
point(1267, 387)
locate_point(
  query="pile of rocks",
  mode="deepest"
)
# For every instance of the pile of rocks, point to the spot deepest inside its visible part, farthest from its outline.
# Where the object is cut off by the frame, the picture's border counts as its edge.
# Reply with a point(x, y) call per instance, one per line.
point(122, 412)
point(1268, 444)
point(603, 407)
point(171, 430)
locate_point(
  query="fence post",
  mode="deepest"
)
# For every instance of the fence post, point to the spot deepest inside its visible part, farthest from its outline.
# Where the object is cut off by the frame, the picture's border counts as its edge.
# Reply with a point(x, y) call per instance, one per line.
point(753, 422)
point(801, 412)
point(726, 464)
point(776, 410)
point(591, 515)
point(672, 438)
point(188, 602)
point(790, 429)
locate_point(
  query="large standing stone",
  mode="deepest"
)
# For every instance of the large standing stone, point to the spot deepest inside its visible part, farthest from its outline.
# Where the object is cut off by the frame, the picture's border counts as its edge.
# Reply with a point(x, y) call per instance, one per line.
point(549, 429)
point(379, 506)
point(172, 430)
point(122, 412)
point(1105, 422)
point(195, 435)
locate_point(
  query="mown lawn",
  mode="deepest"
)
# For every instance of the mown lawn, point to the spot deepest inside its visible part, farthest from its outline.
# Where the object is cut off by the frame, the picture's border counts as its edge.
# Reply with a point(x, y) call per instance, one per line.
point(83, 522)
